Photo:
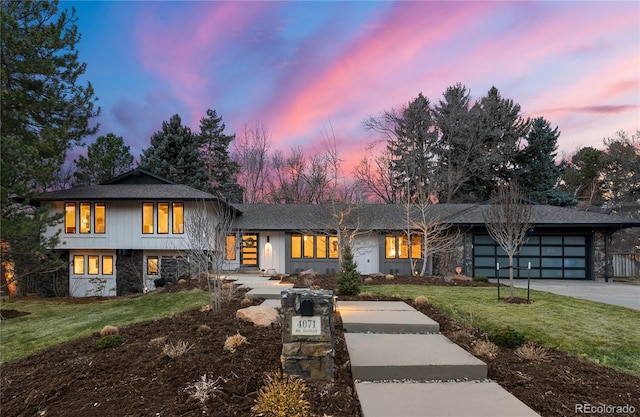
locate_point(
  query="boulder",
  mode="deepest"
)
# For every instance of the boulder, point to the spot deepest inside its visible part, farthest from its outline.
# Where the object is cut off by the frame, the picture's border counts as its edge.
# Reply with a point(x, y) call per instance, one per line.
point(389, 277)
point(261, 315)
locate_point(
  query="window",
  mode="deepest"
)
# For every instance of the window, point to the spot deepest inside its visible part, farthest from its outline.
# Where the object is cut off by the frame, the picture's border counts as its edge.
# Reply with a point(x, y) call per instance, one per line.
point(152, 265)
point(334, 249)
point(178, 218)
point(231, 247)
point(100, 210)
point(397, 247)
point(85, 217)
point(147, 217)
point(308, 246)
point(107, 265)
point(321, 247)
point(296, 246)
point(78, 265)
point(163, 218)
point(94, 265)
point(70, 217)
point(318, 247)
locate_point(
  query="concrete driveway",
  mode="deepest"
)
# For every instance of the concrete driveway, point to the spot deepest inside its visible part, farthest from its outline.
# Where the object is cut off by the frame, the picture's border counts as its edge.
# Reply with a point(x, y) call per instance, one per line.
point(616, 293)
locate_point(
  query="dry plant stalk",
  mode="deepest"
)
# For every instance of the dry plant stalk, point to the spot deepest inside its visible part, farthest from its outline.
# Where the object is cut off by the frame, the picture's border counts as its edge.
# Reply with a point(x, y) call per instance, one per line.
point(234, 342)
point(532, 352)
point(174, 350)
point(281, 396)
point(157, 341)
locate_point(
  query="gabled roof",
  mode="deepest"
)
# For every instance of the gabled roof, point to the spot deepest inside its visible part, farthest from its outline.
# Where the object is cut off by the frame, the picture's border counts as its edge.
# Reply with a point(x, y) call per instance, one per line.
point(138, 176)
point(301, 217)
point(128, 192)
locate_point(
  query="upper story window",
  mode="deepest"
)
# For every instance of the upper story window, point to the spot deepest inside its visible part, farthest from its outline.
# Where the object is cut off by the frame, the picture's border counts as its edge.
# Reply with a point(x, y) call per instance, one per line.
point(397, 247)
point(314, 246)
point(84, 216)
point(156, 216)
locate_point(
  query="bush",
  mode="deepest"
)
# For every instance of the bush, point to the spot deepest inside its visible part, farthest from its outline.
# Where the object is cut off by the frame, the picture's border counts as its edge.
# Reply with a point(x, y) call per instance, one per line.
point(107, 330)
point(532, 352)
point(234, 342)
point(507, 337)
point(109, 341)
point(481, 278)
point(485, 349)
point(421, 300)
point(173, 350)
point(281, 396)
point(349, 279)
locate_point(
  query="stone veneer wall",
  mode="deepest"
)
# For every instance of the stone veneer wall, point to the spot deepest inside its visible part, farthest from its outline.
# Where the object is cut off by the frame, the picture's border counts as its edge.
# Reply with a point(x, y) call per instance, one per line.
point(308, 356)
point(602, 257)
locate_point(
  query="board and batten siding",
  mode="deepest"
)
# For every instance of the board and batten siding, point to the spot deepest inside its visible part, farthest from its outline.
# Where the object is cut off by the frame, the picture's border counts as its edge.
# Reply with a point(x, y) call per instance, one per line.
point(123, 230)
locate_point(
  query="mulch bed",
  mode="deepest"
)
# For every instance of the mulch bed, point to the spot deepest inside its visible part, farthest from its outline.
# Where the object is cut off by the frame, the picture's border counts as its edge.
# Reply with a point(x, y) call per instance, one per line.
point(136, 379)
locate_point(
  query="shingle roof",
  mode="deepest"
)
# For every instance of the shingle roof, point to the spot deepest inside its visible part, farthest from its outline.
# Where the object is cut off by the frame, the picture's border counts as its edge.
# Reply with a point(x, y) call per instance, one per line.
point(128, 192)
point(392, 217)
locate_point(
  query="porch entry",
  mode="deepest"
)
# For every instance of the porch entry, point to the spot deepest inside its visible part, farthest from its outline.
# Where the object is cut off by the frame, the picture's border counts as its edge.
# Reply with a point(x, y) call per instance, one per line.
point(249, 250)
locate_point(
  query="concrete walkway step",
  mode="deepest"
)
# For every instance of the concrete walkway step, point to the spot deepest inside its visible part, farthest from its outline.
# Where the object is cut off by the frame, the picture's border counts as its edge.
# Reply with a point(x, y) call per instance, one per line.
point(384, 317)
point(268, 293)
point(445, 399)
point(420, 357)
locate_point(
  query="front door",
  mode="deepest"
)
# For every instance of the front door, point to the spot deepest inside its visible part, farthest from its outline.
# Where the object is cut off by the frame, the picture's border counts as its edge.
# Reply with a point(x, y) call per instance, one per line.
point(249, 253)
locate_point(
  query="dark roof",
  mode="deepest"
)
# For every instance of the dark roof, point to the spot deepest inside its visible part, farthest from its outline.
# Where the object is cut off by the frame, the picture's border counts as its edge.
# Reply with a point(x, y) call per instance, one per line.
point(302, 217)
point(128, 192)
point(138, 176)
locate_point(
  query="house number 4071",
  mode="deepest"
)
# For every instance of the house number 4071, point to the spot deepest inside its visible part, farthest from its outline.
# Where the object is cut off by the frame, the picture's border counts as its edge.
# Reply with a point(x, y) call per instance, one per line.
point(305, 326)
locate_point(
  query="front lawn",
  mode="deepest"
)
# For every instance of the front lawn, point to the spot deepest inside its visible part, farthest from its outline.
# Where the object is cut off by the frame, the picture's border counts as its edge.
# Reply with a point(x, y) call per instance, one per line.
point(605, 334)
point(52, 322)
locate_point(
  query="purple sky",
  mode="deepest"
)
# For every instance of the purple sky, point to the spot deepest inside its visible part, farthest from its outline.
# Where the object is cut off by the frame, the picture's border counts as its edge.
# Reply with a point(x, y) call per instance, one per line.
point(304, 68)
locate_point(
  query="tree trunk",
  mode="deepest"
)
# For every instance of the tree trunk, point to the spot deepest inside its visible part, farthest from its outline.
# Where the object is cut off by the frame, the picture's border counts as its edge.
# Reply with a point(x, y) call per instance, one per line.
point(510, 275)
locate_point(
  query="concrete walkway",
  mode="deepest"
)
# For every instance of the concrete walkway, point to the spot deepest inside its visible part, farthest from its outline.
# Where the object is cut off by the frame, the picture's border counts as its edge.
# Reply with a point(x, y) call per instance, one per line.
point(615, 293)
point(415, 372)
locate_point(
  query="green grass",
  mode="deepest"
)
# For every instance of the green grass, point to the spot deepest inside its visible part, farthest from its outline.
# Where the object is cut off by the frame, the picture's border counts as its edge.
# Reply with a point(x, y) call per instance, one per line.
point(606, 334)
point(53, 322)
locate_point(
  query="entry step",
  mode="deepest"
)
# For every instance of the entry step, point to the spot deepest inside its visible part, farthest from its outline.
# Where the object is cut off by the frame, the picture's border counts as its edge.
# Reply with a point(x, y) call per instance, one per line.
point(420, 357)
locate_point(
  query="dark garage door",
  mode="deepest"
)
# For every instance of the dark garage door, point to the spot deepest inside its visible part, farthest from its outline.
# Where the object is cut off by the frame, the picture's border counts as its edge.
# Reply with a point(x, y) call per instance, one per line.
point(550, 256)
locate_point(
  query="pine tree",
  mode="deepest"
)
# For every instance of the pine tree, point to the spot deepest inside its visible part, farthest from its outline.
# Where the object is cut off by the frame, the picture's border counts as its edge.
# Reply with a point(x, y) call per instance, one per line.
point(220, 168)
point(536, 172)
point(108, 157)
point(174, 154)
point(349, 279)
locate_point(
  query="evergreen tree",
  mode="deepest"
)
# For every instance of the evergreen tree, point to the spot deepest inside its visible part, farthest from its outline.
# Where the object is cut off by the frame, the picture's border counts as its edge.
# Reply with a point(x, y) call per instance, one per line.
point(107, 158)
point(174, 154)
point(349, 279)
point(536, 172)
point(45, 111)
point(413, 157)
point(581, 177)
point(220, 168)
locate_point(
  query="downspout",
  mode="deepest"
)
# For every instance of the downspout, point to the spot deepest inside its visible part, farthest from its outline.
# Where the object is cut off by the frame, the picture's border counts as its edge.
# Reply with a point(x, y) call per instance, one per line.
point(606, 256)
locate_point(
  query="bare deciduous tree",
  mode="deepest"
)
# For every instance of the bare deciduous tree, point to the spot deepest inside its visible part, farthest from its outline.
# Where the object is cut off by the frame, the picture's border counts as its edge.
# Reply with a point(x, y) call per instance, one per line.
point(508, 220)
point(251, 153)
point(206, 231)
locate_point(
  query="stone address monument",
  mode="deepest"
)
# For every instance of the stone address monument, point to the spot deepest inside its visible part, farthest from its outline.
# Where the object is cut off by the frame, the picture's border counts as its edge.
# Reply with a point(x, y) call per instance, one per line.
point(308, 333)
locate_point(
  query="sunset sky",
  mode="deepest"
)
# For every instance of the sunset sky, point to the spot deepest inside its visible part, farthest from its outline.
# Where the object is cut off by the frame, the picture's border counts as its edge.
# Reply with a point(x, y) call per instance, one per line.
point(304, 68)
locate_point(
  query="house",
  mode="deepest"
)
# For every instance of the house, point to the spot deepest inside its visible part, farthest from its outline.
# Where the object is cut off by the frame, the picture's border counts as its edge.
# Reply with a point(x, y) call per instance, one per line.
point(131, 233)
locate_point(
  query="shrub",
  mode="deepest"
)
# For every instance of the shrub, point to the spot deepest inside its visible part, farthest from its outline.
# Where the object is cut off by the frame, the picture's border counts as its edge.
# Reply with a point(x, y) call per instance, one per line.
point(368, 280)
point(507, 337)
point(109, 341)
point(281, 396)
point(173, 350)
point(204, 328)
point(485, 349)
point(246, 302)
point(532, 352)
point(203, 389)
point(366, 294)
point(205, 308)
point(107, 330)
point(349, 279)
point(481, 278)
point(421, 300)
point(234, 342)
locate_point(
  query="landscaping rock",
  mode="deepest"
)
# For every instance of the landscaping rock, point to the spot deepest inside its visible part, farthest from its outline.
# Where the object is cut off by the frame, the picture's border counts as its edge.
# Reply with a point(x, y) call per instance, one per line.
point(260, 315)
